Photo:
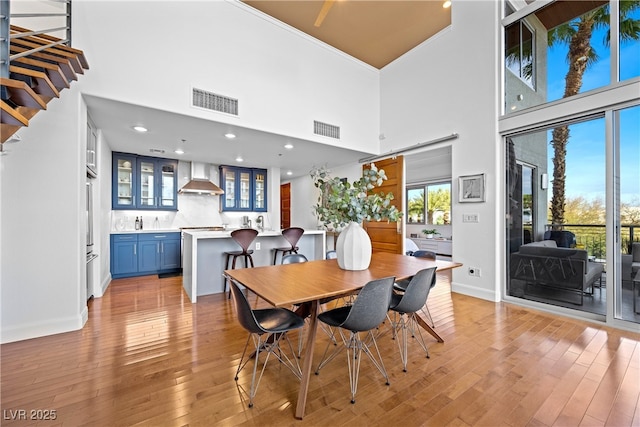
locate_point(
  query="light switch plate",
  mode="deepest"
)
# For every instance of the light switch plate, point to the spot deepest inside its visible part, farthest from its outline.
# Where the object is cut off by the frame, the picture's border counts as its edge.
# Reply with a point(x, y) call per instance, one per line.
point(472, 217)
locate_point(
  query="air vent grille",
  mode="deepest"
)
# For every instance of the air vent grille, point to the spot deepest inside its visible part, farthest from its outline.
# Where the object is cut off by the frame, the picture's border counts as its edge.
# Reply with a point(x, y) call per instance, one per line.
point(215, 102)
point(325, 129)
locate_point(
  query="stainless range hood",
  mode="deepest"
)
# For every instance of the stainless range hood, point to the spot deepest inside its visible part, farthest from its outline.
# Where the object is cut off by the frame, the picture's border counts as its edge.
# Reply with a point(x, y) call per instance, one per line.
point(200, 183)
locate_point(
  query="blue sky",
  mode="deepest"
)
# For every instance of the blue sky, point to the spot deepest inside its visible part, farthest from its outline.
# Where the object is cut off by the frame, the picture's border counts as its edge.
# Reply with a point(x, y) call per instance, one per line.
point(586, 147)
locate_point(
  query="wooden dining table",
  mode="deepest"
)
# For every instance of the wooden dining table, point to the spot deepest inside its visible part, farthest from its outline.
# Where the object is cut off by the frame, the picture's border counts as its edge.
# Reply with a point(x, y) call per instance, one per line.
point(306, 284)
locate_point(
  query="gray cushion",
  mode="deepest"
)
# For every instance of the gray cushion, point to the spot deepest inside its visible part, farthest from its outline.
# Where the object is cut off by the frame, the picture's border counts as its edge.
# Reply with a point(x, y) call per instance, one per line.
point(576, 259)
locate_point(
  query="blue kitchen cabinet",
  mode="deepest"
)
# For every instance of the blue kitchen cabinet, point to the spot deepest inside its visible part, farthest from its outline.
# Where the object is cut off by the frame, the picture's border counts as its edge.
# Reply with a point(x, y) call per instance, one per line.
point(148, 254)
point(170, 256)
point(138, 254)
point(123, 179)
point(145, 183)
point(245, 189)
point(259, 192)
point(156, 183)
point(124, 256)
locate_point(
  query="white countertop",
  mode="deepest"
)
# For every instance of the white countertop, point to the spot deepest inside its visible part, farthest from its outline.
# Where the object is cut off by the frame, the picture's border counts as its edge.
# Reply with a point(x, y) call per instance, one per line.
point(204, 234)
point(162, 230)
point(441, 239)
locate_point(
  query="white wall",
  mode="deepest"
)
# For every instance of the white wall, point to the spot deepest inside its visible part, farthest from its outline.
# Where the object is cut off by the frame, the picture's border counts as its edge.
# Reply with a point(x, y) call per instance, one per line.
point(449, 84)
point(304, 195)
point(283, 81)
point(42, 228)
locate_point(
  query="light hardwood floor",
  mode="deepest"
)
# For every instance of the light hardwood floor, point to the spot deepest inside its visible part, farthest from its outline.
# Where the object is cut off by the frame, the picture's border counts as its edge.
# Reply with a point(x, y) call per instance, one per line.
point(147, 356)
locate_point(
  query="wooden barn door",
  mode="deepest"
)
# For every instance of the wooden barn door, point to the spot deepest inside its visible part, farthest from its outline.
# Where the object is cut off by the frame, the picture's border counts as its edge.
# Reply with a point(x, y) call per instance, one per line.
point(389, 236)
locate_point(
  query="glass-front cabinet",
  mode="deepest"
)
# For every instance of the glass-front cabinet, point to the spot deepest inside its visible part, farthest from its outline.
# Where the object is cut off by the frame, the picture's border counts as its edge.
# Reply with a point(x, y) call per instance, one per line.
point(245, 189)
point(259, 179)
point(123, 181)
point(144, 182)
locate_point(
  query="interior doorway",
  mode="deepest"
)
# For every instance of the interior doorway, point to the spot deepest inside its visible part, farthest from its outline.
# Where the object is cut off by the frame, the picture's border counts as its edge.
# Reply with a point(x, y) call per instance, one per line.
point(285, 205)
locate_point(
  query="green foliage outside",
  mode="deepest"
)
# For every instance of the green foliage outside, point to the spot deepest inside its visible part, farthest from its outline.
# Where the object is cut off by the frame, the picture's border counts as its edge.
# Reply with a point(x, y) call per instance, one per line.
point(438, 207)
point(586, 219)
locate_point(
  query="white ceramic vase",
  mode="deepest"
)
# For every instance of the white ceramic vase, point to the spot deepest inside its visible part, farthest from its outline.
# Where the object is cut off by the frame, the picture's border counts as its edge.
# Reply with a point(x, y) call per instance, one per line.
point(353, 248)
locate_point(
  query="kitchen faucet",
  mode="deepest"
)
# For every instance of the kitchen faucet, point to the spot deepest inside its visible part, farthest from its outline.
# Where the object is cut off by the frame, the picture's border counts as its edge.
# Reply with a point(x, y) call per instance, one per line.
point(260, 222)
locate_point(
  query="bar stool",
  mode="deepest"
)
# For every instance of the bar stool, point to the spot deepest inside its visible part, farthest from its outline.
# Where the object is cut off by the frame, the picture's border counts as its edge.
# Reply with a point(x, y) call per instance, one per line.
point(243, 237)
point(292, 235)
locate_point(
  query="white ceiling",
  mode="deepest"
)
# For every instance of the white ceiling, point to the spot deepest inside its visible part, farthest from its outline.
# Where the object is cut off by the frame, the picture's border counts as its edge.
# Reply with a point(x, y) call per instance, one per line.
point(205, 141)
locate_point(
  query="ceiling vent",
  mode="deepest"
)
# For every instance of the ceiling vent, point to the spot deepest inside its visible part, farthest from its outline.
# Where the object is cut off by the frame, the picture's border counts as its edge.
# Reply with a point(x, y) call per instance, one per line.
point(325, 129)
point(215, 102)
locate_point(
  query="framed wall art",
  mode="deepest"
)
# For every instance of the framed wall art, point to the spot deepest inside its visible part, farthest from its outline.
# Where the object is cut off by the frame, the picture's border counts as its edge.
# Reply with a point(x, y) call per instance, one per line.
point(471, 188)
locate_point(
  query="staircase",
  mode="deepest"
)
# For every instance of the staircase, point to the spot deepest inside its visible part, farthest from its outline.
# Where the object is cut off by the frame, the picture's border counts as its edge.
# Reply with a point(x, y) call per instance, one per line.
point(40, 67)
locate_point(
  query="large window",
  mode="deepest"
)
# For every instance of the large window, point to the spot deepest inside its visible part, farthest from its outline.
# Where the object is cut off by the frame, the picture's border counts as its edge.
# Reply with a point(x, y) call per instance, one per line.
point(520, 55)
point(564, 49)
point(429, 204)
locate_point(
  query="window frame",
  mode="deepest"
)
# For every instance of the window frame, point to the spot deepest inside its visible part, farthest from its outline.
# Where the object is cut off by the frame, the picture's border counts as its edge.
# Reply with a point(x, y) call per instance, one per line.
point(425, 188)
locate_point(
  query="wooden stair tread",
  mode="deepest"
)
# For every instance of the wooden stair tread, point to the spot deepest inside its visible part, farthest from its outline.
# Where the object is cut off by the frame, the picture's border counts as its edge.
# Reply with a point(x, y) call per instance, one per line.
point(10, 116)
point(55, 74)
point(44, 86)
point(63, 63)
point(45, 73)
point(20, 93)
point(79, 53)
point(73, 58)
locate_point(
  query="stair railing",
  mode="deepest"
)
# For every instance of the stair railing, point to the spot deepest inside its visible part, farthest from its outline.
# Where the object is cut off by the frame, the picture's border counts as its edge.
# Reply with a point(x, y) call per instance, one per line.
point(35, 19)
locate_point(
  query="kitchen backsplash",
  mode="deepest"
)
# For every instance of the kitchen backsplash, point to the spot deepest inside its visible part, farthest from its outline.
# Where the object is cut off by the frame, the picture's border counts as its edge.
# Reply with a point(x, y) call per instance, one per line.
point(194, 210)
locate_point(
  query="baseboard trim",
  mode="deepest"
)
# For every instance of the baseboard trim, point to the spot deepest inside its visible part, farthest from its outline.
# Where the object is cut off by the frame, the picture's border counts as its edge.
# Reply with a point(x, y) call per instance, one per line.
point(473, 291)
point(44, 328)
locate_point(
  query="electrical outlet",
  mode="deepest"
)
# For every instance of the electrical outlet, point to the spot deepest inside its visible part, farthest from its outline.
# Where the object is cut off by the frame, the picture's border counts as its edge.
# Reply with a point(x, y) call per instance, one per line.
point(474, 271)
point(257, 246)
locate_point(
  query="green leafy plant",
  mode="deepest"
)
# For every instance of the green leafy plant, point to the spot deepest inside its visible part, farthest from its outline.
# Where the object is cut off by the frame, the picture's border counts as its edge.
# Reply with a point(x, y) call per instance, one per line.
point(431, 231)
point(341, 202)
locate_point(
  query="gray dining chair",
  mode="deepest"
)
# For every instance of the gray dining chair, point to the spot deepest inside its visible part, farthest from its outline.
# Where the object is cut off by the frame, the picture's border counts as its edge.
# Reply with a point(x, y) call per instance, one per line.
point(367, 312)
point(401, 285)
point(272, 322)
point(405, 306)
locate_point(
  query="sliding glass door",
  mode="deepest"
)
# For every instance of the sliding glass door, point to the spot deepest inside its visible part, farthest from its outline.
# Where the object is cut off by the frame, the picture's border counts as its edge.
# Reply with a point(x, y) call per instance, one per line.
point(626, 189)
point(556, 219)
point(573, 212)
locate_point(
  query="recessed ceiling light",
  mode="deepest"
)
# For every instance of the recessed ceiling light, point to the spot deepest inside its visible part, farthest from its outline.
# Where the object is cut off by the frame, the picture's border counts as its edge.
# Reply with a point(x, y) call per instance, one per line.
point(239, 159)
point(229, 135)
point(179, 151)
point(446, 4)
point(288, 146)
point(140, 128)
point(289, 173)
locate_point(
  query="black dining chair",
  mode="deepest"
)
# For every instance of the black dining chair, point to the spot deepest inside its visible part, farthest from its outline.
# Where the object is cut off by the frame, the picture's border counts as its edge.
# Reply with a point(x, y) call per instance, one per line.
point(367, 312)
point(243, 237)
point(401, 285)
point(291, 235)
point(405, 306)
point(275, 323)
point(424, 254)
point(294, 259)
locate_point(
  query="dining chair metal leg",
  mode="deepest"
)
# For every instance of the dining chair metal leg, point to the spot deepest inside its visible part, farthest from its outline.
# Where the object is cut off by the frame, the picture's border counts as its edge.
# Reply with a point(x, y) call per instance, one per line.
point(355, 346)
point(407, 324)
point(268, 346)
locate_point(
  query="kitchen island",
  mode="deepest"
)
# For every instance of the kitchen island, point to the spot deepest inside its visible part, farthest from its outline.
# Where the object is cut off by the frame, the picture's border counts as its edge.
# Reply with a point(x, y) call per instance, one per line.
point(203, 256)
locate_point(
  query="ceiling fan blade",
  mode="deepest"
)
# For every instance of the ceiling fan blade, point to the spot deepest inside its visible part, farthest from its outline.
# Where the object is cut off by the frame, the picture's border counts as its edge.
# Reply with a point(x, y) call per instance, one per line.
point(323, 12)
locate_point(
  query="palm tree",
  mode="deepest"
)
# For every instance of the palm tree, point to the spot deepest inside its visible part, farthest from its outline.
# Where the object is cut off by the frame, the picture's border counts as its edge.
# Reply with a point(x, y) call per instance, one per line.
point(577, 34)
